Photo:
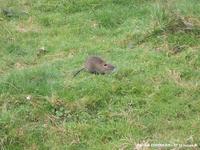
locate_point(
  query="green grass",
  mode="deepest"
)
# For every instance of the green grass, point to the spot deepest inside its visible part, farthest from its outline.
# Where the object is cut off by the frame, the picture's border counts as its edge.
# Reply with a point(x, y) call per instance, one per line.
point(153, 97)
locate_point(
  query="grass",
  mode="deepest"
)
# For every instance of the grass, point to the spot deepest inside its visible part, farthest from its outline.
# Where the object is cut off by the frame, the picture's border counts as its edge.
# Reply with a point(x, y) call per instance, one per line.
point(152, 98)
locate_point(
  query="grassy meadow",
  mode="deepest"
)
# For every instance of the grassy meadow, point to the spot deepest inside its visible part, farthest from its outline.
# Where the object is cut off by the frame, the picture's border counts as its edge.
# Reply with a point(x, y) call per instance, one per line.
point(153, 97)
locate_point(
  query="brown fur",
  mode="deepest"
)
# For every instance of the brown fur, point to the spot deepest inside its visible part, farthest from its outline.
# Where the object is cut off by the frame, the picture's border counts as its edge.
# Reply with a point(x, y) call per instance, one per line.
point(95, 64)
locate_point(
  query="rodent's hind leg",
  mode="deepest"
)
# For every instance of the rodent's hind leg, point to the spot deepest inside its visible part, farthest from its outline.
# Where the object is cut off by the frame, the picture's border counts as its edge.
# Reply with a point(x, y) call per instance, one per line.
point(97, 73)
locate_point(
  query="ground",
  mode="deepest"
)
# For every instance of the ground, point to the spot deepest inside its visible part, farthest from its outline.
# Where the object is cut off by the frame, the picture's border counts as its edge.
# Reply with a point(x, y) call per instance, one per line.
point(152, 98)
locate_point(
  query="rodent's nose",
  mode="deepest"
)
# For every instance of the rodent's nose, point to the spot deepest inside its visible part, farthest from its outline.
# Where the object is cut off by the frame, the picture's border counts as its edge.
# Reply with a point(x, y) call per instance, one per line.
point(114, 69)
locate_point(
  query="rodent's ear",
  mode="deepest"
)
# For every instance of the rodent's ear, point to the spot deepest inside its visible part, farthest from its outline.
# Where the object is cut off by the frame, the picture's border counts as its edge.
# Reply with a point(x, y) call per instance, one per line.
point(105, 64)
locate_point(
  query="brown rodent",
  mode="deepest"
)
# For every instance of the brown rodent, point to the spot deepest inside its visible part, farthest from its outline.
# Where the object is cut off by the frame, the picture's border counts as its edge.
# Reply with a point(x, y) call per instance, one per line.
point(95, 64)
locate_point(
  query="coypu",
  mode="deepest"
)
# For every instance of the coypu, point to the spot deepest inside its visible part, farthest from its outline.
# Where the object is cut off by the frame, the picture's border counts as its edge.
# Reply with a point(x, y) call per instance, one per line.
point(96, 65)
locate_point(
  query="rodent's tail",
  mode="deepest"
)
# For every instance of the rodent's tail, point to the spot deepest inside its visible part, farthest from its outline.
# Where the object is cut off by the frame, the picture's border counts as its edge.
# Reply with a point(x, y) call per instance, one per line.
point(76, 73)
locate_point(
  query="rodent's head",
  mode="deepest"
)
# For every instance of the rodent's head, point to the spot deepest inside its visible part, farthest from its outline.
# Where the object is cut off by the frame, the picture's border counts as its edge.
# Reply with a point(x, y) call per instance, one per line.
point(106, 68)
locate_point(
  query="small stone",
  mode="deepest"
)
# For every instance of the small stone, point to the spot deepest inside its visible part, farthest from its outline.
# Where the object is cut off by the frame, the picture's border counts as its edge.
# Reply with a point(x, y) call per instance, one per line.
point(28, 97)
point(41, 51)
point(130, 45)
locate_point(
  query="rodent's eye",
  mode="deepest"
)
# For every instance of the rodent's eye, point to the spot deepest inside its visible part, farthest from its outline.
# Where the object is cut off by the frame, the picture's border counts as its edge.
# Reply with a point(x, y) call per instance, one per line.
point(105, 65)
